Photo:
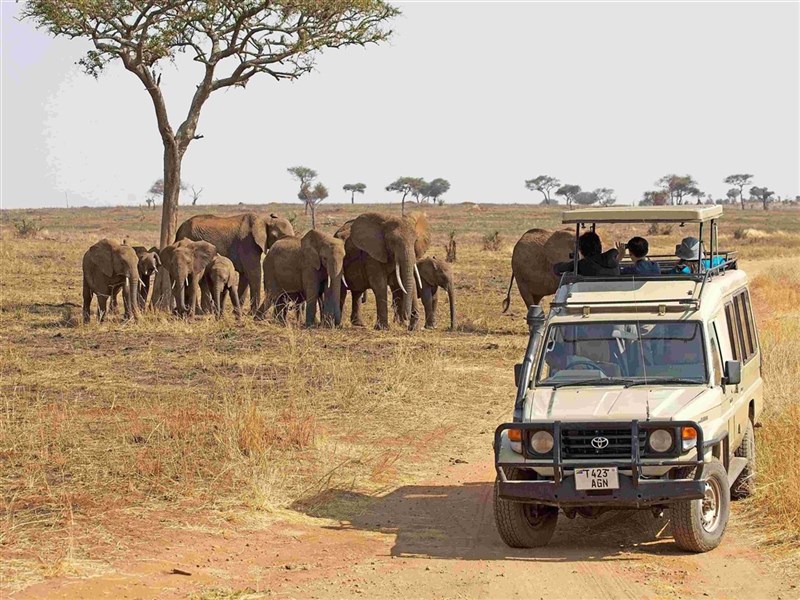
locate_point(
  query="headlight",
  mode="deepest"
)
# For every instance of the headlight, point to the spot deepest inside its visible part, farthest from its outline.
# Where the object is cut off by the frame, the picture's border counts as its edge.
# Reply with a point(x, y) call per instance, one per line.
point(660, 440)
point(542, 442)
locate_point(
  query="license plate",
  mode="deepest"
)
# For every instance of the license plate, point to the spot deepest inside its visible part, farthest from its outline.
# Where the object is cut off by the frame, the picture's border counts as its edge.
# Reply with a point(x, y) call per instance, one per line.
point(600, 478)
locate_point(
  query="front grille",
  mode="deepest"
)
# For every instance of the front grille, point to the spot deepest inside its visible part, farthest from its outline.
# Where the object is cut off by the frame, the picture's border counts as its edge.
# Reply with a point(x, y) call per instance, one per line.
point(577, 443)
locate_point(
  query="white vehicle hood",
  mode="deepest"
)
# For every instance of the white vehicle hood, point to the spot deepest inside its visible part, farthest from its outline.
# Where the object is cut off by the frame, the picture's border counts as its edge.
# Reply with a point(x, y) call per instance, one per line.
point(581, 403)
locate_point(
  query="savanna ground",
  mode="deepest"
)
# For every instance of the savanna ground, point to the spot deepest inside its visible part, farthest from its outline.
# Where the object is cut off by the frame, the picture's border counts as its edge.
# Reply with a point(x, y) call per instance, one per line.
point(121, 439)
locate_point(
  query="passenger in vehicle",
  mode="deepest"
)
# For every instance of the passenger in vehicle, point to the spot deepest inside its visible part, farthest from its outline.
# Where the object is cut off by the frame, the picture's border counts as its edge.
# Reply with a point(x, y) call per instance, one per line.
point(638, 248)
point(594, 262)
point(688, 251)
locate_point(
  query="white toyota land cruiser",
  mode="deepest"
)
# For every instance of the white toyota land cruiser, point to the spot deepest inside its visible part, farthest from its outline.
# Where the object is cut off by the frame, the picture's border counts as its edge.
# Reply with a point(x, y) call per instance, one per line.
point(635, 392)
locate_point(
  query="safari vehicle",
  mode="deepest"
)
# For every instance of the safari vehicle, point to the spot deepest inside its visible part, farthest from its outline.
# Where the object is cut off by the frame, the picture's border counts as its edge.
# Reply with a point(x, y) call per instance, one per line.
point(635, 392)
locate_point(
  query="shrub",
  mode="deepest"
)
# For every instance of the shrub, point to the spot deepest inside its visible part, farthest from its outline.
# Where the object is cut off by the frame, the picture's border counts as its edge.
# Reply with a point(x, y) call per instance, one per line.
point(491, 241)
point(27, 227)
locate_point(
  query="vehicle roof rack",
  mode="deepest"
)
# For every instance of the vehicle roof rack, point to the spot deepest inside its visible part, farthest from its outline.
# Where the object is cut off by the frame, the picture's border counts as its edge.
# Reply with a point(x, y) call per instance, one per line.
point(642, 214)
point(690, 301)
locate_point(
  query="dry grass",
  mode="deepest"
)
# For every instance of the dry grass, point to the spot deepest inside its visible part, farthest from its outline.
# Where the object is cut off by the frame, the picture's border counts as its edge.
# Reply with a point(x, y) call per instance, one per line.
point(201, 419)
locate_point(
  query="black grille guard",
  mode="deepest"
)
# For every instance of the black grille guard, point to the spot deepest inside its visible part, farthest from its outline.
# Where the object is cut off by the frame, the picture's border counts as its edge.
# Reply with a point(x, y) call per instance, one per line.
point(635, 464)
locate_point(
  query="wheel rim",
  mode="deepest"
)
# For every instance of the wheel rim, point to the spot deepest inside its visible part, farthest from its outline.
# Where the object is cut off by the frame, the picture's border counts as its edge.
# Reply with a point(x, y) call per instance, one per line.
point(710, 506)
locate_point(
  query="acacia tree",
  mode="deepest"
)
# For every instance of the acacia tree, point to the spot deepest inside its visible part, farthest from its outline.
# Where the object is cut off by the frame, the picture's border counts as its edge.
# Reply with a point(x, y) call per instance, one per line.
point(543, 184)
point(732, 194)
point(568, 191)
point(313, 196)
point(157, 189)
point(196, 195)
point(678, 187)
point(354, 188)
point(435, 188)
point(763, 194)
point(305, 176)
point(233, 41)
point(406, 186)
point(740, 180)
point(605, 196)
point(585, 198)
point(654, 198)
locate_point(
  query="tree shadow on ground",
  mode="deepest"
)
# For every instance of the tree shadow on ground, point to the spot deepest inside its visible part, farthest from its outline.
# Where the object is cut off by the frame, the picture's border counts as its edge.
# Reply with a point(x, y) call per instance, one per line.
point(457, 522)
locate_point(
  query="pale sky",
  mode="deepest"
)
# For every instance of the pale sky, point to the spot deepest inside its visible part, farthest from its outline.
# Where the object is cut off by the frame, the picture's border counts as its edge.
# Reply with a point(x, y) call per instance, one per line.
point(484, 94)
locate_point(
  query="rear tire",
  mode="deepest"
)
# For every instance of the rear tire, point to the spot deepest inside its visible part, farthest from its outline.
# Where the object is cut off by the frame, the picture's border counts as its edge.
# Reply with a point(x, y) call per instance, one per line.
point(698, 525)
point(745, 483)
point(523, 525)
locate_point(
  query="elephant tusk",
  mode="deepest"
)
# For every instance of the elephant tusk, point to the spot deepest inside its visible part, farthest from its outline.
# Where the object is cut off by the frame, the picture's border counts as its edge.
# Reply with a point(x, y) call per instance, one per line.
point(186, 283)
point(399, 279)
point(329, 284)
point(344, 281)
point(173, 284)
point(419, 279)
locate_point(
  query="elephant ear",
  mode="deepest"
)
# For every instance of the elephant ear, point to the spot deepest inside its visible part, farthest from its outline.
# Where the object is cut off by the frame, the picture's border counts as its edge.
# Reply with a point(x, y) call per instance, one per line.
point(203, 255)
point(255, 227)
point(423, 234)
point(311, 257)
point(101, 255)
point(366, 234)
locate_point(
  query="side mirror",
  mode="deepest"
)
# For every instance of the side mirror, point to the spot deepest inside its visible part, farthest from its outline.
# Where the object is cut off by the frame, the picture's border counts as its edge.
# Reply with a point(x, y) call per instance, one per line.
point(733, 373)
point(517, 373)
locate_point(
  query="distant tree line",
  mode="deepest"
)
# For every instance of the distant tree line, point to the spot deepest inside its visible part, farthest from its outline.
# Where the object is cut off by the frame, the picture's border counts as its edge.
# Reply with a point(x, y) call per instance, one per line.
point(672, 190)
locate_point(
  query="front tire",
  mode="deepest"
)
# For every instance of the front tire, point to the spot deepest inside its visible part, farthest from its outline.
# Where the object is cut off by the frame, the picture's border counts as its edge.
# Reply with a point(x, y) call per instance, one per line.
point(745, 483)
point(523, 525)
point(698, 525)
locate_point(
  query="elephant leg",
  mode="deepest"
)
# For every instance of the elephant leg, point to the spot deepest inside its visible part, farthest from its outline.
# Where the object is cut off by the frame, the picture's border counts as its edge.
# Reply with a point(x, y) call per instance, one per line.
point(254, 278)
point(244, 284)
point(527, 294)
point(237, 310)
point(207, 298)
point(429, 302)
point(414, 320)
point(102, 302)
point(114, 303)
point(397, 305)
point(355, 312)
point(311, 285)
point(87, 301)
point(379, 284)
point(194, 293)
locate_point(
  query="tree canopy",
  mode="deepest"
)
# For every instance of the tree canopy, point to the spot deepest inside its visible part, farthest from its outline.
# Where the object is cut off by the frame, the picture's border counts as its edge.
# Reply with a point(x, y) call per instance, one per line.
point(762, 194)
point(585, 198)
point(740, 180)
point(605, 196)
point(568, 191)
point(543, 184)
point(310, 193)
point(435, 189)
point(354, 188)
point(232, 41)
point(406, 186)
point(679, 187)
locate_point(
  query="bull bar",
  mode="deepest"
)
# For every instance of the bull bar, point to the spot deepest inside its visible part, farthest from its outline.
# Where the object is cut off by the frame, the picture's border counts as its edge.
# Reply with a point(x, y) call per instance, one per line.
point(633, 492)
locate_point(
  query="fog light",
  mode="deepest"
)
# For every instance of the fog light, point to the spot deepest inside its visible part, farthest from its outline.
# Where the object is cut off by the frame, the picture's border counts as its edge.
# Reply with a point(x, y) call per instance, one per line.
point(542, 442)
point(660, 440)
point(689, 437)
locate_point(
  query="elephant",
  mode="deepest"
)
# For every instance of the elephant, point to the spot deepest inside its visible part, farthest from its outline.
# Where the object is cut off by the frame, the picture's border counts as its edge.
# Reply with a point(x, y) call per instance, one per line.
point(148, 263)
point(434, 274)
point(242, 239)
point(306, 269)
point(376, 246)
point(107, 265)
point(532, 262)
point(221, 277)
point(186, 262)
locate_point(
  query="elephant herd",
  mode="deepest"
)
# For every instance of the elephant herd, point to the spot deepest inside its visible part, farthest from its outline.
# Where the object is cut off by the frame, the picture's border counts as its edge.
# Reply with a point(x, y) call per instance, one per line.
point(216, 257)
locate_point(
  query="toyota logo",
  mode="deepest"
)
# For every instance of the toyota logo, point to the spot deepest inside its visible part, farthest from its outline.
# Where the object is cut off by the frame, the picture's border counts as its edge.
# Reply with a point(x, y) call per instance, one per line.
point(599, 443)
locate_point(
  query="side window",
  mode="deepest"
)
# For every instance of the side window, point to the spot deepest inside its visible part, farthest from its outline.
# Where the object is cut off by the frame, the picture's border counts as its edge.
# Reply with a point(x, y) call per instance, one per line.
point(733, 331)
point(744, 330)
point(751, 324)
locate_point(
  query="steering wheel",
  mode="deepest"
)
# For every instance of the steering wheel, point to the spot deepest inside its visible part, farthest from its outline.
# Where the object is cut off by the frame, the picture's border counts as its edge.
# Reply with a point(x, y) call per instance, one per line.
point(586, 363)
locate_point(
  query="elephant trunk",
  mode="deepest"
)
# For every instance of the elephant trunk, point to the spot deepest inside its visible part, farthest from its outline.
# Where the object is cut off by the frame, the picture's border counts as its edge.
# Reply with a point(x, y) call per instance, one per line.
point(451, 297)
point(333, 295)
point(406, 261)
point(179, 288)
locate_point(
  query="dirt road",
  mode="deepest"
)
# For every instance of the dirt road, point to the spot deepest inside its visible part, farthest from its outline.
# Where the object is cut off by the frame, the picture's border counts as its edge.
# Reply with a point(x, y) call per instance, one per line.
point(433, 540)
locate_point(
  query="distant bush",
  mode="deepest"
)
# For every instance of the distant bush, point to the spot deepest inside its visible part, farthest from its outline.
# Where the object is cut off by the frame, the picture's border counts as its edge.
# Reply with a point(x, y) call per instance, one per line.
point(27, 227)
point(659, 229)
point(491, 241)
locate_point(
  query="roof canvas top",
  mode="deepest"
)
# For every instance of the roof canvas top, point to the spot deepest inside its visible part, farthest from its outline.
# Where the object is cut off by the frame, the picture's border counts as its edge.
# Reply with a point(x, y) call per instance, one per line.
point(643, 214)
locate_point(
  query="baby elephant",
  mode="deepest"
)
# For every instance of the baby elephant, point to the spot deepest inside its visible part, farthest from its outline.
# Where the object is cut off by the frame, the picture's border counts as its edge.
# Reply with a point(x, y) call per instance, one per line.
point(148, 264)
point(108, 265)
point(221, 277)
point(434, 273)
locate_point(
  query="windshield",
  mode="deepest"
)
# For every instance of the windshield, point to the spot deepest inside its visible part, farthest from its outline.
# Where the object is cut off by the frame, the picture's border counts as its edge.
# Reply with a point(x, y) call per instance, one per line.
point(628, 353)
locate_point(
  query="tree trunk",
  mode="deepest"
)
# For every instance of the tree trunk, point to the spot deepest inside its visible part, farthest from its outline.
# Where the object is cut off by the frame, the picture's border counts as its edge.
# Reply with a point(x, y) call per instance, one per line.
point(352, 197)
point(741, 197)
point(172, 189)
point(313, 216)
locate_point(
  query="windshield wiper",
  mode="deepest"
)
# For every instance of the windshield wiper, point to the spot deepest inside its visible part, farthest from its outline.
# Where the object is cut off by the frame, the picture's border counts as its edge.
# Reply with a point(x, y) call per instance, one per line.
point(662, 380)
point(598, 381)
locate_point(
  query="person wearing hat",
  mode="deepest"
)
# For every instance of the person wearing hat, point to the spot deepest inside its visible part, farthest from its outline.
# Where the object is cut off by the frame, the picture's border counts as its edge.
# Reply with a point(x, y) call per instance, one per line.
point(688, 251)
